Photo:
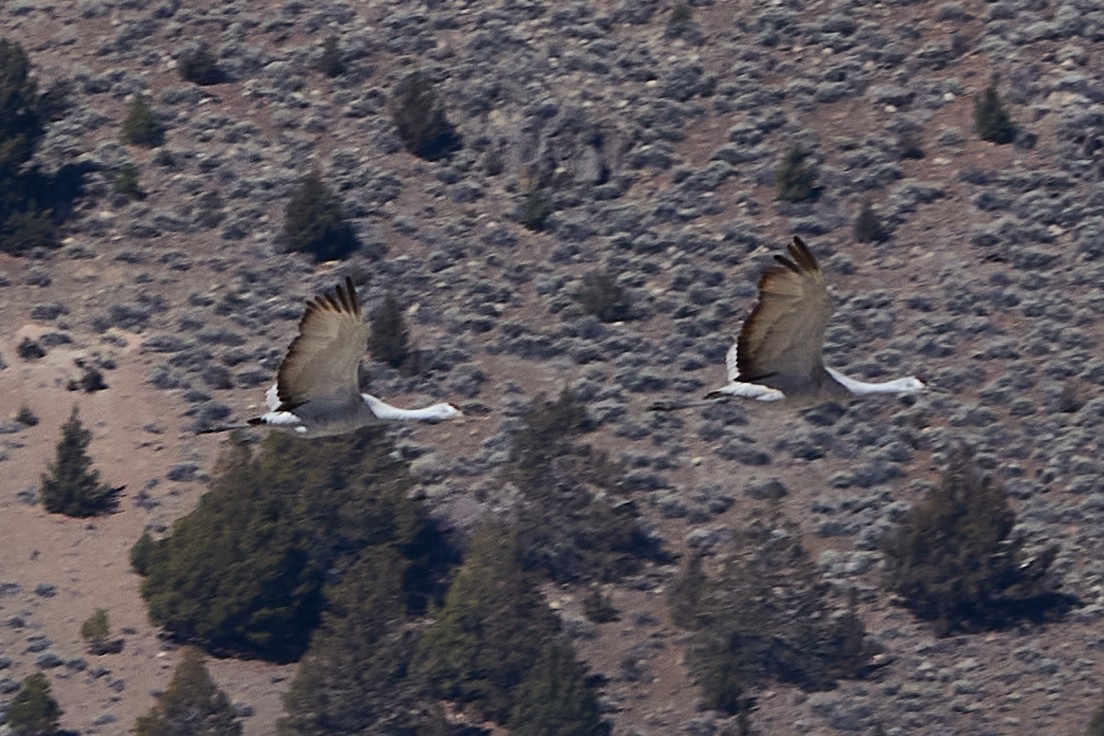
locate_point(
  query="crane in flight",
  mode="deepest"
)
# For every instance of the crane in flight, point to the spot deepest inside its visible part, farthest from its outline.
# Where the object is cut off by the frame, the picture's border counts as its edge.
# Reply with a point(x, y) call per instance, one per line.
point(316, 392)
point(777, 356)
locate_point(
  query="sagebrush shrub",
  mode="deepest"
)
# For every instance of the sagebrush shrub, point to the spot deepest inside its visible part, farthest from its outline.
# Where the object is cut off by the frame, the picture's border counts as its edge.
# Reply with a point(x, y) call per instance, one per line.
point(198, 66)
point(600, 295)
point(141, 127)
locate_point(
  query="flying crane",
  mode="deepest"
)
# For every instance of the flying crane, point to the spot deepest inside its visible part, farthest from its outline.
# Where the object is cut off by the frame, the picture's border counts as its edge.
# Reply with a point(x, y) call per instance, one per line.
point(316, 392)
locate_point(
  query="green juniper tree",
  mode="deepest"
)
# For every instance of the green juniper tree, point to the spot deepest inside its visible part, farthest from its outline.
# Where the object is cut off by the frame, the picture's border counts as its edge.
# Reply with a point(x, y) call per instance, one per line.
point(96, 631)
point(33, 711)
point(956, 562)
point(314, 222)
point(491, 629)
point(140, 127)
point(192, 705)
point(991, 118)
point(419, 115)
point(72, 486)
point(356, 677)
point(555, 698)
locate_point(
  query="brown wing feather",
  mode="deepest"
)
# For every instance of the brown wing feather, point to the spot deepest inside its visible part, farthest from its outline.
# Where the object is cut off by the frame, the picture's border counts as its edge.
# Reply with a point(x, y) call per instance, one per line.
point(785, 331)
point(321, 362)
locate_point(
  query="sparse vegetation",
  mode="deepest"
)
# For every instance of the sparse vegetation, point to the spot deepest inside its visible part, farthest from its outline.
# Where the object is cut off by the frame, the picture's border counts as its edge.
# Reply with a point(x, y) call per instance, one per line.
point(420, 118)
point(141, 127)
point(198, 66)
point(954, 560)
point(192, 704)
point(765, 614)
point(389, 341)
point(601, 296)
point(72, 486)
point(991, 120)
point(795, 179)
point(598, 608)
point(314, 222)
point(33, 711)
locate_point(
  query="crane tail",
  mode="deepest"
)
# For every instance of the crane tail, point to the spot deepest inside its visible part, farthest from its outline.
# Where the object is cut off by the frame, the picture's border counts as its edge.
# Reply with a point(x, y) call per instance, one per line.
point(225, 428)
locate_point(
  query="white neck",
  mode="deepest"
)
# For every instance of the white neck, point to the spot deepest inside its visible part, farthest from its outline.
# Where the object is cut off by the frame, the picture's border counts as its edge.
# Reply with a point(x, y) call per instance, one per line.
point(383, 410)
point(855, 386)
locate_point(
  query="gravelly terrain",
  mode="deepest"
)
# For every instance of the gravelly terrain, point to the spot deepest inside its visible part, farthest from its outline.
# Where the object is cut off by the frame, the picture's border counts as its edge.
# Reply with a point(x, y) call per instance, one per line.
point(661, 143)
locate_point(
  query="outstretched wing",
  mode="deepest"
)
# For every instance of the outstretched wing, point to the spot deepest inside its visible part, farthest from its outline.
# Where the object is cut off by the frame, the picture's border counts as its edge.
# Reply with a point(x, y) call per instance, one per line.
point(784, 334)
point(321, 363)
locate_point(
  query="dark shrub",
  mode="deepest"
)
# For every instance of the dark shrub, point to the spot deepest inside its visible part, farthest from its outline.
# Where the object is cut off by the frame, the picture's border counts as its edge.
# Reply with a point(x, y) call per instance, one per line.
point(795, 177)
point(140, 127)
point(420, 118)
point(765, 614)
point(244, 571)
point(954, 560)
point(574, 521)
point(331, 62)
point(991, 120)
point(32, 204)
point(556, 698)
point(601, 296)
point(491, 629)
point(126, 182)
point(314, 222)
point(534, 210)
point(868, 226)
point(198, 66)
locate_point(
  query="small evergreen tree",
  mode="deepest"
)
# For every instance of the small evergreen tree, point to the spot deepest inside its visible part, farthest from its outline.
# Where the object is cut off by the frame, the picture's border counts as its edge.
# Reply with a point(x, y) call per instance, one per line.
point(33, 711)
point(420, 118)
point(72, 486)
point(991, 120)
point(555, 698)
point(572, 521)
point(96, 631)
point(198, 66)
point(126, 182)
point(31, 205)
point(765, 614)
point(796, 176)
point(140, 127)
point(389, 341)
point(490, 630)
point(331, 62)
point(314, 222)
point(955, 561)
point(601, 296)
point(192, 705)
point(868, 226)
point(535, 210)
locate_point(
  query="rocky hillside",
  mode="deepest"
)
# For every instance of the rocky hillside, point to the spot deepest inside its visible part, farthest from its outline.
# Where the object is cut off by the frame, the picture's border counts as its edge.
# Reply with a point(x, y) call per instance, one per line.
point(653, 135)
